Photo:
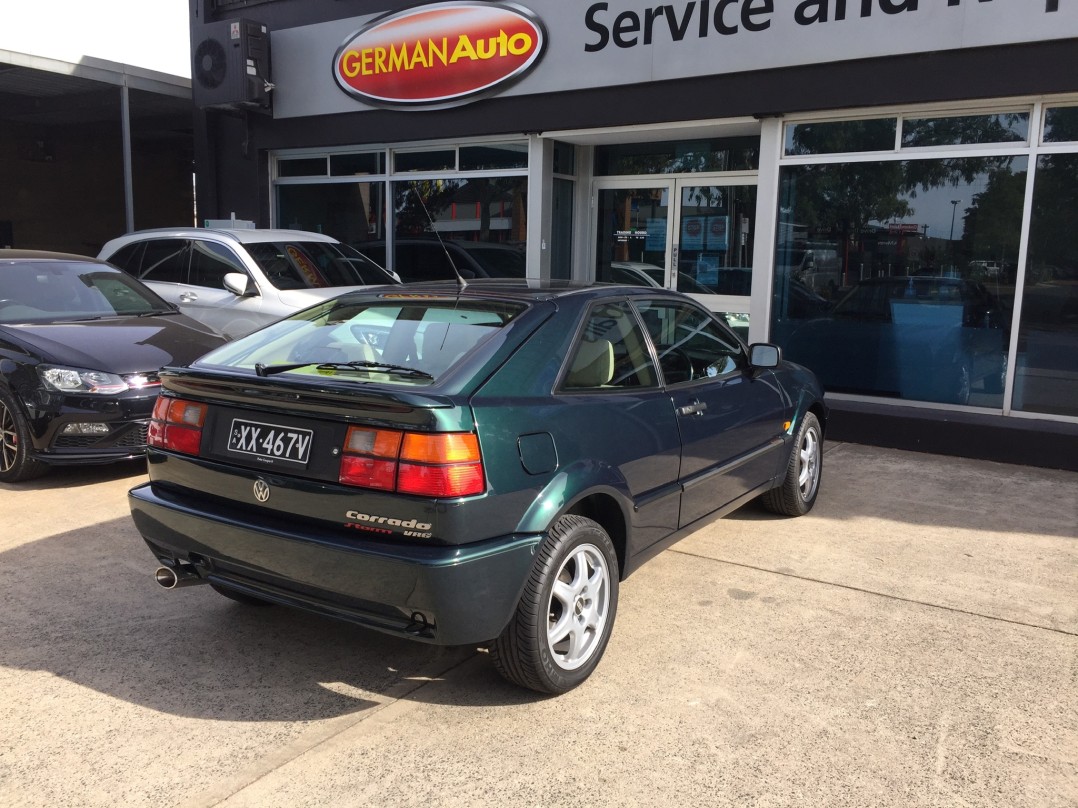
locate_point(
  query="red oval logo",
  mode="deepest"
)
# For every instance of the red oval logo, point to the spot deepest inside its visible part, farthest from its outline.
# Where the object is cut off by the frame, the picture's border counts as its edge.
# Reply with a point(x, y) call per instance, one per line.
point(440, 54)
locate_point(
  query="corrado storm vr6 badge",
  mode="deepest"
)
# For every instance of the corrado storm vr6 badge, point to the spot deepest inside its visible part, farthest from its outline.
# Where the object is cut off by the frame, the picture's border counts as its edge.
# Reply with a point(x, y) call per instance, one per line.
point(439, 55)
point(384, 524)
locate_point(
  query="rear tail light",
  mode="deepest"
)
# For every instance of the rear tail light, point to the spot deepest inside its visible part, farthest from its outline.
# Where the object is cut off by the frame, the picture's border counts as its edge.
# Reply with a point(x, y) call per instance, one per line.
point(177, 425)
point(439, 464)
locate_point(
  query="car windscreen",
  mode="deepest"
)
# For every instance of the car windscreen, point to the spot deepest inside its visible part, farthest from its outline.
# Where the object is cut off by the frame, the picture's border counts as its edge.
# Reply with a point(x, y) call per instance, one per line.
point(315, 265)
point(70, 291)
point(395, 339)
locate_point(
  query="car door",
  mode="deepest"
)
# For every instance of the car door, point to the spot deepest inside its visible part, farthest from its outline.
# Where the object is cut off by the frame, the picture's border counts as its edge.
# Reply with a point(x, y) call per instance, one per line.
point(613, 417)
point(206, 299)
point(730, 416)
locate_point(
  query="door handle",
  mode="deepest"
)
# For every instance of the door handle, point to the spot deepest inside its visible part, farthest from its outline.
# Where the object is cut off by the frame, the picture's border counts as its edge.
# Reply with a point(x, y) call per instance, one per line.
point(696, 408)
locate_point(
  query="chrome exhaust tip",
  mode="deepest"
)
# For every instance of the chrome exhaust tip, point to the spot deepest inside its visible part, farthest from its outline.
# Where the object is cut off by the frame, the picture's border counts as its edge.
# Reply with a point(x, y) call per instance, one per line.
point(179, 576)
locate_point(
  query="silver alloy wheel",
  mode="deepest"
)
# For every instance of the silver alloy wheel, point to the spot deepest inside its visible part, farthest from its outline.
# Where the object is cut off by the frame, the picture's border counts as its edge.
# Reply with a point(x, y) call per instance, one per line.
point(579, 607)
point(9, 447)
point(808, 475)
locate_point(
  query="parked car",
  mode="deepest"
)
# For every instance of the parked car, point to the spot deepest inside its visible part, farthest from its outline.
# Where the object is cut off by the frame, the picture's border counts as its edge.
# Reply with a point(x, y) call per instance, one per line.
point(487, 474)
point(80, 347)
point(918, 337)
point(431, 259)
point(639, 273)
point(239, 280)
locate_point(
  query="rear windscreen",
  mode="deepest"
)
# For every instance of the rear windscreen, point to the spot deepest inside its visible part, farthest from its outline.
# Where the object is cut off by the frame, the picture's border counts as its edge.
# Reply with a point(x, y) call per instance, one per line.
point(404, 341)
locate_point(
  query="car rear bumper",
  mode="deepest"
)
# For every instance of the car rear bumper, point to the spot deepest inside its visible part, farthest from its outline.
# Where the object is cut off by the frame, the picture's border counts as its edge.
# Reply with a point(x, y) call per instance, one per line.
point(446, 595)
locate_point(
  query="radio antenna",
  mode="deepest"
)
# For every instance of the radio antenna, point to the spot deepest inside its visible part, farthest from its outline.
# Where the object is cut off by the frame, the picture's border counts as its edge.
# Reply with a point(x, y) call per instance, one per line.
point(461, 283)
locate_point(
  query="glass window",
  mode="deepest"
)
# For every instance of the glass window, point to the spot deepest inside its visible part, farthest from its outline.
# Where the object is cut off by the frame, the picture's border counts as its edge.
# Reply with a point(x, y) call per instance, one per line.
point(55, 291)
point(128, 258)
point(353, 213)
point(165, 261)
point(738, 322)
point(1046, 368)
point(1061, 125)
point(897, 278)
point(678, 157)
point(715, 239)
point(561, 229)
point(422, 338)
point(302, 167)
point(690, 343)
point(836, 137)
point(611, 352)
point(210, 262)
point(349, 165)
point(315, 264)
point(564, 158)
point(434, 160)
point(965, 130)
point(481, 220)
point(494, 156)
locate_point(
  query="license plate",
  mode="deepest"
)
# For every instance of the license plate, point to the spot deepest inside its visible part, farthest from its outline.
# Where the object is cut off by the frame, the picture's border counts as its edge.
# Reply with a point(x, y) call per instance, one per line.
point(270, 442)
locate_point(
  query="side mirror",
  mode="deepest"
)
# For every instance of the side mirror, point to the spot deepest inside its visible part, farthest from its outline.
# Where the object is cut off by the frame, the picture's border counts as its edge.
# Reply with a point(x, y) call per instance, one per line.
point(239, 284)
point(764, 355)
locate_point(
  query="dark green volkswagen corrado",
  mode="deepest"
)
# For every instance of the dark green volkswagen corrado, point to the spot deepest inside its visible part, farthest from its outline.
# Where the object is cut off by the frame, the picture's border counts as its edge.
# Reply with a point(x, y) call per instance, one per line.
point(471, 465)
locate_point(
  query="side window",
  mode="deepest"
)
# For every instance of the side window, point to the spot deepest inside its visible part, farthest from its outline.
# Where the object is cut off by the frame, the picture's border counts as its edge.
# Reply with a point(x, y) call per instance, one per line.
point(691, 344)
point(611, 352)
point(128, 258)
point(165, 261)
point(210, 262)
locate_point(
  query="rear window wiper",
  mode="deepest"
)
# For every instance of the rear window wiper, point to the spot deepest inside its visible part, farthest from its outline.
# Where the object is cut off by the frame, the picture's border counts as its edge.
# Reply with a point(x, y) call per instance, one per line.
point(400, 370)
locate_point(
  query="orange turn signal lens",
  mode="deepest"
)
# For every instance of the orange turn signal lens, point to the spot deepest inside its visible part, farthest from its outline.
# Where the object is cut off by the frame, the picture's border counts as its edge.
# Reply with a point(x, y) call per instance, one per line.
point(445, 447)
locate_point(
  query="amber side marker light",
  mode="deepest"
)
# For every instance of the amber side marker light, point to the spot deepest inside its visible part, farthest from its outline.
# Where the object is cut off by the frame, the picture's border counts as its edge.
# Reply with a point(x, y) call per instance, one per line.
point(438, 464)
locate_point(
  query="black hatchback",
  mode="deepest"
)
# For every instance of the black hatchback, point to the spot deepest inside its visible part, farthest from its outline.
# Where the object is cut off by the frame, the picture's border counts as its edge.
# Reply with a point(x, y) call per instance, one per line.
point(481, 464)
point(81, 344)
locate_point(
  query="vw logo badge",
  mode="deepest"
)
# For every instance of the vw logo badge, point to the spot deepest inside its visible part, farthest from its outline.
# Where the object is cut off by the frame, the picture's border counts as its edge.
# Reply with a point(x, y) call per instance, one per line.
point(262, 490)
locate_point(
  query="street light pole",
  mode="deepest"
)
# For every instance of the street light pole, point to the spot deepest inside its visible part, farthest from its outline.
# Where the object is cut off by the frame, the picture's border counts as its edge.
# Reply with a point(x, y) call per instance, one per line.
point(954, 207)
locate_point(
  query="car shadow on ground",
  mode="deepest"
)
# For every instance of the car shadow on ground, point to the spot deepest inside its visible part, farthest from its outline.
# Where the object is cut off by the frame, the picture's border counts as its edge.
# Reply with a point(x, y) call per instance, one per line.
point(83, 606)
point(78, 476)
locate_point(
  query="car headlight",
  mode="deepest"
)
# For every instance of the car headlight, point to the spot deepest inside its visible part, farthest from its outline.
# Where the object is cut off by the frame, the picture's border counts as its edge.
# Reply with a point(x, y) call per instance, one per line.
point(77, 380)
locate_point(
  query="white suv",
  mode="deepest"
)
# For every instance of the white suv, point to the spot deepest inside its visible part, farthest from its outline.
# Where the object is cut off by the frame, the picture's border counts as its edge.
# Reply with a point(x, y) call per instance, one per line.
point(240, 280)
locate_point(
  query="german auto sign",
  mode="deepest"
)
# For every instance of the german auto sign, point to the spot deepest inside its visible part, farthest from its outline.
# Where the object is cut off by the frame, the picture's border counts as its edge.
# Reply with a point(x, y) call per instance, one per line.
point(440, 54)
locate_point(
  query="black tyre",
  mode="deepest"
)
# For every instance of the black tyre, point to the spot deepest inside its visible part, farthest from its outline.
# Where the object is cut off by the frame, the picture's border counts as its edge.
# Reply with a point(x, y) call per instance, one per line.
point(563, 621)
point(16, 463)
point(797, 494)
point(239, 597)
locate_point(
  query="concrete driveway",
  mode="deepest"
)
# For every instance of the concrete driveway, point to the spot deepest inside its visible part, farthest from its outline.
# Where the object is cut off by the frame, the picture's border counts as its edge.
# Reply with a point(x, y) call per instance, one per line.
point(911, 642)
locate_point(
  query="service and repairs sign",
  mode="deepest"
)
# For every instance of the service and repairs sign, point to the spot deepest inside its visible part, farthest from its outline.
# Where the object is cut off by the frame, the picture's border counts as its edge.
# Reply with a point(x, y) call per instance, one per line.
point(443, 54)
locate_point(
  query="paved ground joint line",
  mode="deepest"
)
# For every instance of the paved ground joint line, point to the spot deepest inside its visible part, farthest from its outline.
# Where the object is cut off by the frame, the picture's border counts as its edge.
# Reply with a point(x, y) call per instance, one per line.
point(886, 595)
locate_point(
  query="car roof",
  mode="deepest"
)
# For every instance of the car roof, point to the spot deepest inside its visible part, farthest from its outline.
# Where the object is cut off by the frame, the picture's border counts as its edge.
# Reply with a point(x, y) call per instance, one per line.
point(242, 235)
point(515, 288)
point(47, 255)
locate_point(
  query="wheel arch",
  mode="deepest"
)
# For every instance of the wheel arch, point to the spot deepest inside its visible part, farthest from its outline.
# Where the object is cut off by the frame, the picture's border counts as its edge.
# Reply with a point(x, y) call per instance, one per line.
point(606, 511)
point(605, 500)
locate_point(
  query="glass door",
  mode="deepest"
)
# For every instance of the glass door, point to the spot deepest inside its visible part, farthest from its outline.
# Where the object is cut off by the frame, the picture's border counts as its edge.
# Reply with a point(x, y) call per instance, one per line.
point(633, 232)
point(694, 235)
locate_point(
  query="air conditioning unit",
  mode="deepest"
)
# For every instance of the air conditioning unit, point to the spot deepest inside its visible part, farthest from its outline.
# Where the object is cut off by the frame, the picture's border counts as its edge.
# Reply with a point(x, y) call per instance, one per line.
point(230, 66)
